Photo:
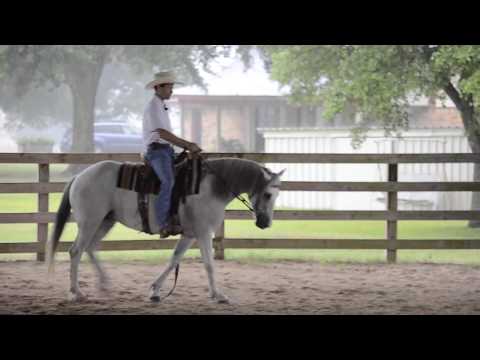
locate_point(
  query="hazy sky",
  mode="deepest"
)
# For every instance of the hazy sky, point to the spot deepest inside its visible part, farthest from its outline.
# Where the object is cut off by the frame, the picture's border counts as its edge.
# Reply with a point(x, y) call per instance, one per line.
point(232, 79)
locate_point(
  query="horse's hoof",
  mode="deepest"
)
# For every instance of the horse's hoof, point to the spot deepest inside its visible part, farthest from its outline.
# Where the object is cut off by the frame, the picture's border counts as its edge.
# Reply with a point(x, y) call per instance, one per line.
point(220, 299)
point(77, 297)
point(155, 299)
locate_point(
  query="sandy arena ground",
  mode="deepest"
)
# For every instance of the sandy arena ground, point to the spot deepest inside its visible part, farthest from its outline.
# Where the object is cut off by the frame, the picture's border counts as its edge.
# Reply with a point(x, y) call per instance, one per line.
point(266, 288)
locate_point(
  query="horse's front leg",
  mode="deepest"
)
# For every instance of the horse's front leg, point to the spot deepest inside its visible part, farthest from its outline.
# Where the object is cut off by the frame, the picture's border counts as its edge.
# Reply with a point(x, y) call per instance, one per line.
point(205, 245)
point(182, 246)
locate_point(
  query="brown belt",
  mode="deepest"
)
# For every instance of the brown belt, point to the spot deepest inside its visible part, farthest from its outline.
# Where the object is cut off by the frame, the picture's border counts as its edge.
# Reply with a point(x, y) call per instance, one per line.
point(157, 146)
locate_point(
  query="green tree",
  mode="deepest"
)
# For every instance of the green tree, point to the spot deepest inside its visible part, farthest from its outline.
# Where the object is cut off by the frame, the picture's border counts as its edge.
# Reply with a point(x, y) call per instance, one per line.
point(379, 80)
point(80, 67)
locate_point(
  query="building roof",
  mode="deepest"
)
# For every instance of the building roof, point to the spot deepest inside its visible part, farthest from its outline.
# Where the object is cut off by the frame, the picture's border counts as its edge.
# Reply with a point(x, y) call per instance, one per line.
point(214, 99)
point(434, 117)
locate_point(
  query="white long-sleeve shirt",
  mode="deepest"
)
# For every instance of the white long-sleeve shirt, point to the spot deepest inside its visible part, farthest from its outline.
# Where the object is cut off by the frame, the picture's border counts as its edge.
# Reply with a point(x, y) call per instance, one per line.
point(155, 117)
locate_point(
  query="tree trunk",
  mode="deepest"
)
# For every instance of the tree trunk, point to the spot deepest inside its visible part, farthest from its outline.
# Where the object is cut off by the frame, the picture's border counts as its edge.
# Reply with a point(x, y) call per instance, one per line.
point(465, 105)
point(83, 82)
point(473, 135)
point(83, 116)
point(475, 197)
point(83, 79)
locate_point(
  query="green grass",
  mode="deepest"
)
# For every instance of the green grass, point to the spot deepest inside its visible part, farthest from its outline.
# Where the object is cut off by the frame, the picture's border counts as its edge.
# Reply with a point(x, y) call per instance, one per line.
point(292, 229)
point(29, 172)
point(18, 203)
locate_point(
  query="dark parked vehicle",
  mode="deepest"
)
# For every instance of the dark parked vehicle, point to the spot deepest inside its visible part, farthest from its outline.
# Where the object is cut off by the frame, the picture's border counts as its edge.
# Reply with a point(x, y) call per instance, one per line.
point(110, 137)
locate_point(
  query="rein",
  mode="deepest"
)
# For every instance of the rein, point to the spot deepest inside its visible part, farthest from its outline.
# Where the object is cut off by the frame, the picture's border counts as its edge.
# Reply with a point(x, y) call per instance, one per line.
point(177, 269)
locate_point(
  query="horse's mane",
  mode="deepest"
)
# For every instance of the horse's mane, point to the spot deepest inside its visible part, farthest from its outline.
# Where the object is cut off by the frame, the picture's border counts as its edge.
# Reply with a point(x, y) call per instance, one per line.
point(236, 175)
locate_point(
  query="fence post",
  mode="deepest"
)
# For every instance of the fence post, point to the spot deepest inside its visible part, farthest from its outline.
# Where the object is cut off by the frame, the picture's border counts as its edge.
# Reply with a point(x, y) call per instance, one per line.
point(218, 243)
point(42, 229)
point(392, 206)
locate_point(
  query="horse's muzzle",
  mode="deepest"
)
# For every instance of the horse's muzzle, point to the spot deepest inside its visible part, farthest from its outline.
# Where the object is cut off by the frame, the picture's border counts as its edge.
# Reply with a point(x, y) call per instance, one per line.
point(263, 221)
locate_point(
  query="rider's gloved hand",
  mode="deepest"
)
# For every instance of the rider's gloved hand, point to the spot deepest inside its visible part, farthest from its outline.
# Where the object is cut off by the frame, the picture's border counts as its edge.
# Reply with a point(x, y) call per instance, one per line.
point(194, 148)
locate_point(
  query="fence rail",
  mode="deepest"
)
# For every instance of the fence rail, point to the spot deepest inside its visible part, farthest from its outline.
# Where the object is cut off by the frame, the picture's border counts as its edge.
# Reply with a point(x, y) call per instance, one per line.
point(391, 215)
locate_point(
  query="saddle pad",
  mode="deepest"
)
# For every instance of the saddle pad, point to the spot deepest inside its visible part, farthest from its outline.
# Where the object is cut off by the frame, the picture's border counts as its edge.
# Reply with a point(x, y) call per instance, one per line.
point(139, 178)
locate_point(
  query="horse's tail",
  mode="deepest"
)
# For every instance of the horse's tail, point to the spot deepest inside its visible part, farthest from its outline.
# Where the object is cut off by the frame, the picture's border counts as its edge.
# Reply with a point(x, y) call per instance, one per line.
point(61, 218)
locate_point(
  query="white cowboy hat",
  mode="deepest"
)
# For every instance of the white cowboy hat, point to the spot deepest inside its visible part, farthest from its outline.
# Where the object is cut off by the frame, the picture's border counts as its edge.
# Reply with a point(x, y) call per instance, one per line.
point(164, 77)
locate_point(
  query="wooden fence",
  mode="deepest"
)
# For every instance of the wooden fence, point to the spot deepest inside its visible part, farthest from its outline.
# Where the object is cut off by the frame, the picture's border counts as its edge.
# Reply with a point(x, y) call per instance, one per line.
point(391, 215)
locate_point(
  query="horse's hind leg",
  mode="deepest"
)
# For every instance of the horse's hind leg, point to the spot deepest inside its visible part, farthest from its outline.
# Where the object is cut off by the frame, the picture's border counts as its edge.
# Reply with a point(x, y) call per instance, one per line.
point(182, 246)
point(104, 228)
point(86, 231)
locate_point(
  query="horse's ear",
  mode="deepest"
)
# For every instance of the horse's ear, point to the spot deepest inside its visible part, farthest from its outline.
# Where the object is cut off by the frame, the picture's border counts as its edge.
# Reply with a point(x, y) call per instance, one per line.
point(281, 173)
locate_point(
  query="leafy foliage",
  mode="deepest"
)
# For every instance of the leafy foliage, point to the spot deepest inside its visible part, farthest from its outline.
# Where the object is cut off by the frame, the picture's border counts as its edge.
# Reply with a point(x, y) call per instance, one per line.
point(379, 80)
point(31, 71)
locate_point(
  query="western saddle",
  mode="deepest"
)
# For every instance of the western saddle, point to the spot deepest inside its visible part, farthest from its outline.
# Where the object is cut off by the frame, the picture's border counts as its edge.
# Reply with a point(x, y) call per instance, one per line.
point(141, 178)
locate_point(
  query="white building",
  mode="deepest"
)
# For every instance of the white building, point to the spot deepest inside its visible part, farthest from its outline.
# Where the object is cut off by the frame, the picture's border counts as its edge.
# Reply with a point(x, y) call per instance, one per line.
point(338, 141)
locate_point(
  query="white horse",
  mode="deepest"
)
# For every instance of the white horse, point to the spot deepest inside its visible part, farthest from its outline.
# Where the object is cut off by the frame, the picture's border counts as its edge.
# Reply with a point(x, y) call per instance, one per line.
point(98, 204)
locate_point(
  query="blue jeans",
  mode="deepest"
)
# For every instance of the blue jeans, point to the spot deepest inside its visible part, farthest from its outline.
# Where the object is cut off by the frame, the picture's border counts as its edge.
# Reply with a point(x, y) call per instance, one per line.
point(162, 162)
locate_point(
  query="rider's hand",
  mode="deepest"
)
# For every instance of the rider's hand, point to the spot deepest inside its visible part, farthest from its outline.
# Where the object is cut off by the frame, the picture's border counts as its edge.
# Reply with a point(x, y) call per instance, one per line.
point(194, 148)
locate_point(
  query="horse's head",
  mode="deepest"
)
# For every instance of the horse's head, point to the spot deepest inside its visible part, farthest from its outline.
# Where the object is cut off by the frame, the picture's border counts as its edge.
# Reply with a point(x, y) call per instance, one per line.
point(263, 200)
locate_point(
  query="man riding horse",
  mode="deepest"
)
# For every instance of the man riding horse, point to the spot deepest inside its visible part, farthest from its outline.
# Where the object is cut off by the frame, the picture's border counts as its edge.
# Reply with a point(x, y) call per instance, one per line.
point(97, 204)
point(158, 139)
